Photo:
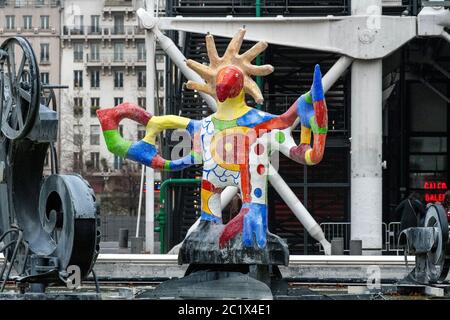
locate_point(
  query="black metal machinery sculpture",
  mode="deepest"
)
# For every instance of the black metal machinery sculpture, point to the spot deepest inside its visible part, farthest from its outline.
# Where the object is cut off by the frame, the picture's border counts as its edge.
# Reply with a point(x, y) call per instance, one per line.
point(429, 242)
point(46, 223)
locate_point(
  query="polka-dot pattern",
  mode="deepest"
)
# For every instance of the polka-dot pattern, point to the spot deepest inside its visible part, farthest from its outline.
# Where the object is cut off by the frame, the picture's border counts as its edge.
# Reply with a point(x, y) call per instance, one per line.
point(259, 149)
point(257, 192)
point(280, 137)
point(228, 146)
point(260, 169)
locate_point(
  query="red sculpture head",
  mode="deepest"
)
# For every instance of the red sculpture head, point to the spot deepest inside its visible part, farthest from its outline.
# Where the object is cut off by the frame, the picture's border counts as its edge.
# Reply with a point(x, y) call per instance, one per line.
point(229, 83)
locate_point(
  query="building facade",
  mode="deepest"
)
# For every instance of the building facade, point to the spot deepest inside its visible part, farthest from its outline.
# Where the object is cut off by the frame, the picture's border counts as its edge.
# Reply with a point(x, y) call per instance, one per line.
point(104, 57)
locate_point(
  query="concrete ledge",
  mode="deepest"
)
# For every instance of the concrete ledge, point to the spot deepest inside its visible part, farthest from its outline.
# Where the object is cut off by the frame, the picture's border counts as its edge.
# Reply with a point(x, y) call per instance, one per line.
point(301, 268)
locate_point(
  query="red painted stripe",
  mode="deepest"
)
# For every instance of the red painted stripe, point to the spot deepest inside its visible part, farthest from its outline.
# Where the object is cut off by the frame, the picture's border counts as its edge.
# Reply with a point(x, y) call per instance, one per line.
point(281, 122)
point(245, 174)
point(110, 118)
point(157, 162)
point(321, 114)
point(319, 147)
point(233, 228)
point(208, 185)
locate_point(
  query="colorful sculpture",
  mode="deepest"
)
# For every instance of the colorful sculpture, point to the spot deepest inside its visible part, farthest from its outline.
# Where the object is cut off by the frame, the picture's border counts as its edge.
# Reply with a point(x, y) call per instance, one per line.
point(235, 143)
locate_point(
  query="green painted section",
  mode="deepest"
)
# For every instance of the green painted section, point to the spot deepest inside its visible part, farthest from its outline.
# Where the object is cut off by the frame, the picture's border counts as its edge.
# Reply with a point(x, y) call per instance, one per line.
point(308, 97)
point(280, 137)
point(315, 128)
point(197, 156)
point(219, 125)
point(115, 143)
point(162, 216)
point(167, 165)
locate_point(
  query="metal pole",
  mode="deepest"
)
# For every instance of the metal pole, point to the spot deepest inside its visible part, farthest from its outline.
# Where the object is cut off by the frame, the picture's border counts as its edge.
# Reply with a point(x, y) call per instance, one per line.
point(150, 93)
point(366, 147)
point(141, 191)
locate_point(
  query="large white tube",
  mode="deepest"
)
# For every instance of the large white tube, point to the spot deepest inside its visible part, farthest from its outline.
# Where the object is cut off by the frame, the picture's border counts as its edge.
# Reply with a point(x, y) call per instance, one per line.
point(366, 155)
point(298, 209)
point(150, 45)
point(366, 146)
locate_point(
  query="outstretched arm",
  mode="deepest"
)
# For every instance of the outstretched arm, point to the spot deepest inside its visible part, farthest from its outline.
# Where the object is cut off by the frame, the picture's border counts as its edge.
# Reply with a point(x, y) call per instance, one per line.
point(312, 110)
point(145, 150)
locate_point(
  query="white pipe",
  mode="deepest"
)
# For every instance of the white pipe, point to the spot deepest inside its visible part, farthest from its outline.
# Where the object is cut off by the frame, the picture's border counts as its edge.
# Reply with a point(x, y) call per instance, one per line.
point(366, 148)
point(445, 36)
point(180, 61)
point(298, 209)
point(150, 44)
point(141, 191)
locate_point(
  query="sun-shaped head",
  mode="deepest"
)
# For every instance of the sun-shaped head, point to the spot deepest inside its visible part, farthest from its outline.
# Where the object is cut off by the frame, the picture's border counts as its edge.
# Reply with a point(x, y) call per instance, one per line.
point(226, 76)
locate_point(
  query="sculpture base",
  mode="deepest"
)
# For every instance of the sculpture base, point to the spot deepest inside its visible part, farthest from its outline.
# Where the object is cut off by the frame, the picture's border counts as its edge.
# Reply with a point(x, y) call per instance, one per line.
point(202, 247)
point(211, 285)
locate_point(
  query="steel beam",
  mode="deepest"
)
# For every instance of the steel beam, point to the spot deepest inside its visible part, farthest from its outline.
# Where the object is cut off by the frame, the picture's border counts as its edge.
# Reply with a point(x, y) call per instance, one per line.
point(352, 36)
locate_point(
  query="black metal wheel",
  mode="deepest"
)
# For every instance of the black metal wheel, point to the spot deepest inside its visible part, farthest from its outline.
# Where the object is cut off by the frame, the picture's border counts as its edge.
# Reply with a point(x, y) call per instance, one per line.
point(21, 88)
point(438, 259)
point(70, 221)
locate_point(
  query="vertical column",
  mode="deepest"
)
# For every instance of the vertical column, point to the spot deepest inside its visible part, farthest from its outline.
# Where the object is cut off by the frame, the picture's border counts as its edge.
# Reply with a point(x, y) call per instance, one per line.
point(366, 145)
point(150, 43)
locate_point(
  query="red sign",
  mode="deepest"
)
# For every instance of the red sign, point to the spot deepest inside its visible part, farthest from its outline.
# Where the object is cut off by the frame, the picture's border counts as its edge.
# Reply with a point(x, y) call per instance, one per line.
point(439, 188)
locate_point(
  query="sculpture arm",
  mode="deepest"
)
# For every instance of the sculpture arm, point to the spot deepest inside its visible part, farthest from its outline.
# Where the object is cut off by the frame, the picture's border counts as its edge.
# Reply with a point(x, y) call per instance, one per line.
point(145, 151)
point(312, 110)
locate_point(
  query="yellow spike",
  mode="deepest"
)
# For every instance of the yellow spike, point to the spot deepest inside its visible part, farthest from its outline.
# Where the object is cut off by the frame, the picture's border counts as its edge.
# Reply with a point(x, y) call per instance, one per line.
point(252, 89)
point(235, 45)
point(253, 52)
point(203, 87)
point(213, 56)
point(201, 69)
point(263, 70)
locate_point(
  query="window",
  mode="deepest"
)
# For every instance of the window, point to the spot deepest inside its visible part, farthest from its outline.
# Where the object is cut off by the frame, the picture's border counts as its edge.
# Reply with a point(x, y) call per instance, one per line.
point(78, 78)
point(77, 161)
point(118, 162)
point(27, 22)
point(78, 24)
point(45, 22)
point(95, 24)
point(95, 79)
point(142, 102)
point(78, 52)
point(142, 82)
point(141, 54)
point(118, 101)
point(95, 160)
point(45, 77)
point(95, 105)
point(78, 135)
point(118, 51)
point(95, 52)
point(45, 49)
point(160, 80)
point(10, 22)
point(95, 135)
point(118, 79)
point(118, 25)
point(141, 132)
point(159, 58)
point(77, 107)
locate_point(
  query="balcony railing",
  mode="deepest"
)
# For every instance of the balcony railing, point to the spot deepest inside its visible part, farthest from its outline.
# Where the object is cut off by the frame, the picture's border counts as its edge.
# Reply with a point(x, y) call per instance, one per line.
point(89, 30)
point(115, 59)
point(30, 3)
